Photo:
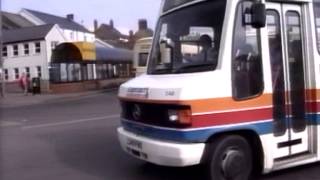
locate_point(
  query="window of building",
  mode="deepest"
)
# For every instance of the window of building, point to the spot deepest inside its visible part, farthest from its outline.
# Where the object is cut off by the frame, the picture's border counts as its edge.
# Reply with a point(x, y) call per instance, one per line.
point(5, 51)
point(39, 74)
point(54, 44)
point(28, 72)
point(90, 70)
point(26, 49)
point(143, 58)
point(6, 74)
point(63, 72)
point(316, 6)
point(247, 77)
point(71, 35)
point(15, 50)
point(37, 47)
point(16, 73)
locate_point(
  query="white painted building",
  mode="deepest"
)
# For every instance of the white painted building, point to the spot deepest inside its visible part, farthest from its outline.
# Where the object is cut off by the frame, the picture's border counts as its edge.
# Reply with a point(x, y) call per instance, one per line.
point(29, 50)
point(32, 50)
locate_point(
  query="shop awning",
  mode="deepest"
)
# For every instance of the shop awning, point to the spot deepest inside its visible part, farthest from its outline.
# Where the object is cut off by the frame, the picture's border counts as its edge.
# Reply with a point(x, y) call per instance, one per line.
point(77, 52)
point(74, 52)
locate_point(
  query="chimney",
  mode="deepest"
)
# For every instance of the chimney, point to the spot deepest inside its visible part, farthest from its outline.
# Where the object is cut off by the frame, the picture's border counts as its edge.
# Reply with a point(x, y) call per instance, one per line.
point(70, 17)
point(111, 24)
point(143, 25)
point(95, 23)
point(130, 33)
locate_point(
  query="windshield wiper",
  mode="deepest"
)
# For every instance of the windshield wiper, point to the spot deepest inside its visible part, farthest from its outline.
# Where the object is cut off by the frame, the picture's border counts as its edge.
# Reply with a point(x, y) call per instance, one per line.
point(205, 65)
point(160, 71)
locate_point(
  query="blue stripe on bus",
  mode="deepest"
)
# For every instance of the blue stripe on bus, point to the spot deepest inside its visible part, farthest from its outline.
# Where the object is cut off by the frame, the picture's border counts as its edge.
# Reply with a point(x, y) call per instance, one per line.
point(314, 119)
point(201, 134)
point(193, 135)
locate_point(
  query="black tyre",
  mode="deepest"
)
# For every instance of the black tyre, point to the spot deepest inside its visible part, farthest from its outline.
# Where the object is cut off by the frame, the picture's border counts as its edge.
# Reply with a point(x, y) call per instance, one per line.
point(229, 158)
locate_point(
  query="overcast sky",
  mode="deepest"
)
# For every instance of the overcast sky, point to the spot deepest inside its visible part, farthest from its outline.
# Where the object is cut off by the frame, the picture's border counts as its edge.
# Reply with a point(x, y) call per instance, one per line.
point(125, 13)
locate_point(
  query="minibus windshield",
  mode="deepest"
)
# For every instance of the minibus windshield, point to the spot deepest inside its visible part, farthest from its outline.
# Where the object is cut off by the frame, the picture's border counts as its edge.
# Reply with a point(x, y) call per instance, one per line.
point(188, 39)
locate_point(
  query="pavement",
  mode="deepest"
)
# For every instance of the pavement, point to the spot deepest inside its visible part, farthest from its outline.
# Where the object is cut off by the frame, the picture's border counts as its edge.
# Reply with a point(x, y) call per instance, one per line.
point(12, 100)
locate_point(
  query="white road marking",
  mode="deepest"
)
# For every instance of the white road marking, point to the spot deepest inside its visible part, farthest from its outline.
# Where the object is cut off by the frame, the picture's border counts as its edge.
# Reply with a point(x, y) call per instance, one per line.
point(4, 124)
point(70, 122)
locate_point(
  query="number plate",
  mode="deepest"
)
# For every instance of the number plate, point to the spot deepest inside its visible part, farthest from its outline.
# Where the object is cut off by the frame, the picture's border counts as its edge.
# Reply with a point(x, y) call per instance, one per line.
point(138, 92)
point(134, 144)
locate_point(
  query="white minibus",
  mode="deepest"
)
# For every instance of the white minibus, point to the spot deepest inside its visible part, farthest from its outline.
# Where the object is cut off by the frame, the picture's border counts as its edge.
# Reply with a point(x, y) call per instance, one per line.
point(231, 84)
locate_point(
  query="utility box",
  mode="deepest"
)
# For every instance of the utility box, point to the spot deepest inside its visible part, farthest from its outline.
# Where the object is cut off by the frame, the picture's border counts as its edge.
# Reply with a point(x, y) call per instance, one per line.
point(36, 86)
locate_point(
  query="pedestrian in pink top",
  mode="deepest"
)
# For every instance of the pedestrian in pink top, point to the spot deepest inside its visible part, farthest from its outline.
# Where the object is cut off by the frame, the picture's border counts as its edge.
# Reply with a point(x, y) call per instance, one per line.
point(24, 83)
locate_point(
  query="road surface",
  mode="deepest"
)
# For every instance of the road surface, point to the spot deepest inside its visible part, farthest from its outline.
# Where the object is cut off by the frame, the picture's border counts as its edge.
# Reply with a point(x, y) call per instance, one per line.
point(76, 140)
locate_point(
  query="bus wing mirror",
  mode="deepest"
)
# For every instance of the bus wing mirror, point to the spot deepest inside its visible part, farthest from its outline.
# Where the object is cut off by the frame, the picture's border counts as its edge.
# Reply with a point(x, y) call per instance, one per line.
point(167, 42)
point(166, 49)
point(258, 11)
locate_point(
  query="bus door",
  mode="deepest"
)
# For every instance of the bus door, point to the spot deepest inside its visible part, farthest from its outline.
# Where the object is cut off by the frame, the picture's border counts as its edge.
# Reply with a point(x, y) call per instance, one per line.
point(285, 25)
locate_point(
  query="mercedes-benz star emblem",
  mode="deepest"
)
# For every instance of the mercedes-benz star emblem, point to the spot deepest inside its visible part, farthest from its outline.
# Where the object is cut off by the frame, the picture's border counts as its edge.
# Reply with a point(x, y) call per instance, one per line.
point(136, 112)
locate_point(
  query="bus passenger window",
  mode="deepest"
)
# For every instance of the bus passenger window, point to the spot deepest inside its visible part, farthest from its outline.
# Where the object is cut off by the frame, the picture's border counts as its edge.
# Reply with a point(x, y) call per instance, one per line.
point(316, 6)
point(247, 77)
point(277, 72)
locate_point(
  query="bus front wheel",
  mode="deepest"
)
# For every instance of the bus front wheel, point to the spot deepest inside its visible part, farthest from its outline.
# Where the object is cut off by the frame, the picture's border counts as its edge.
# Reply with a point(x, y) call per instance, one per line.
point(230, 158)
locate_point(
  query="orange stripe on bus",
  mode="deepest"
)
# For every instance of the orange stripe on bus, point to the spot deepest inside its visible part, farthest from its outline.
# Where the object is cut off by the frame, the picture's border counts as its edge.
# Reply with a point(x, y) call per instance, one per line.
point(313, 94)
point(214, 104)
point(225, 103)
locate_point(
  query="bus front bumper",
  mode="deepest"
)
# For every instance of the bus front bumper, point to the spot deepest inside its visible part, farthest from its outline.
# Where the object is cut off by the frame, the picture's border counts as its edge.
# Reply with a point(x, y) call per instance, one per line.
point(161, 152)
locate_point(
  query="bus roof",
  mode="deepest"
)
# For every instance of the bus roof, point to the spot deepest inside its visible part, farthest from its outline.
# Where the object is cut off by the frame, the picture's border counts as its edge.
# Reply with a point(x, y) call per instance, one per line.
point(171, 5)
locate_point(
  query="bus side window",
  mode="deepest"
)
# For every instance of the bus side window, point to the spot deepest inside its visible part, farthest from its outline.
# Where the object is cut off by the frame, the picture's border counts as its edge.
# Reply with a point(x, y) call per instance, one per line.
point(316, 9)
point(247, 77)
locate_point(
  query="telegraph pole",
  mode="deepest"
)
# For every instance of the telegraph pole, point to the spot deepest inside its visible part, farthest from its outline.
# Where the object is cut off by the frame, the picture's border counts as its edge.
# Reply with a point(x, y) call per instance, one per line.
point(2, 93)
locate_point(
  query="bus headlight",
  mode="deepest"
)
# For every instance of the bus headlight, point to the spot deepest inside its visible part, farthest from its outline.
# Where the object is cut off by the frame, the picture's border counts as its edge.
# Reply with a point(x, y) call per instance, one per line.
point(180, 116)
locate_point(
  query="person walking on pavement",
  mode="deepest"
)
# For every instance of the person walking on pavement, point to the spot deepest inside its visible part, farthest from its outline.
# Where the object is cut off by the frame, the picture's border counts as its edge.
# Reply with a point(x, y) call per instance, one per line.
point(24, 83)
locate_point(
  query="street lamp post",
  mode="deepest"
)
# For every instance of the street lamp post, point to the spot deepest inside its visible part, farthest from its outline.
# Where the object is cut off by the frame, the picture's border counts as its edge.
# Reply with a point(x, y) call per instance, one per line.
point(2, 93)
